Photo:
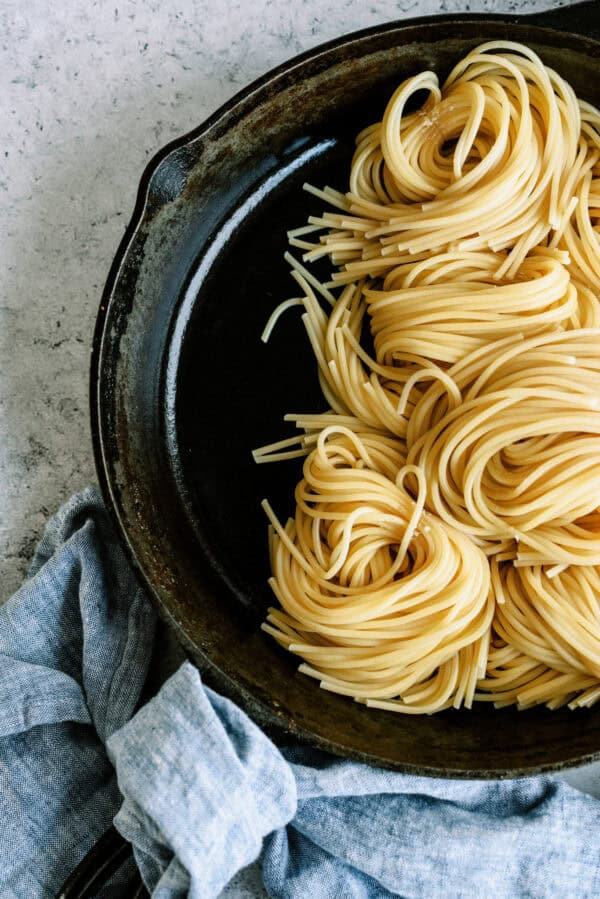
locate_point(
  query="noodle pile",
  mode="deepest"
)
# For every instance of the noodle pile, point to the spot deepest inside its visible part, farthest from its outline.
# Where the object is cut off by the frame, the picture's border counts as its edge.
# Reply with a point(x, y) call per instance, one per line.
point(446, 542)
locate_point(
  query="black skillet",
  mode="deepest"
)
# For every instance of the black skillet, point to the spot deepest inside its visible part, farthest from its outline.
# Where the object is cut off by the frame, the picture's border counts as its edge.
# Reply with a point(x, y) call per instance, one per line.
point(182, 388)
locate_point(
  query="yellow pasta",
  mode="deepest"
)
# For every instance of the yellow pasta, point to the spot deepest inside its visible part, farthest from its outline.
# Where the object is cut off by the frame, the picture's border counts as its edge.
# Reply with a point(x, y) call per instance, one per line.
point(547, 637)
point(488, 162)
point(376, 606)
point(517, 461)
point(451, 303)
point(445, 546)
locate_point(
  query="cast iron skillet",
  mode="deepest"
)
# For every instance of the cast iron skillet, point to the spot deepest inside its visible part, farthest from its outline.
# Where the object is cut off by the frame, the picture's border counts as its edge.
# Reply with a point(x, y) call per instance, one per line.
point(183, 389)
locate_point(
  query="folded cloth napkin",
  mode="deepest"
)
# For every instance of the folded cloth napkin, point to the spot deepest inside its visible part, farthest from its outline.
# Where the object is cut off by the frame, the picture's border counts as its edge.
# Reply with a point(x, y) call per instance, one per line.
point(200, 791)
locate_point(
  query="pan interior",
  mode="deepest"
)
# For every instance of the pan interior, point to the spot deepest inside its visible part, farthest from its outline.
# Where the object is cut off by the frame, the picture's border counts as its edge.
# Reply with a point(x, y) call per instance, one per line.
point(243, 386)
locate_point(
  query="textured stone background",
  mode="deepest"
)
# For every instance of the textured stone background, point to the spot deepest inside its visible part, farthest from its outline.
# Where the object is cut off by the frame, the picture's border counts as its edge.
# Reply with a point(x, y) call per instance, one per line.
point(89, 92)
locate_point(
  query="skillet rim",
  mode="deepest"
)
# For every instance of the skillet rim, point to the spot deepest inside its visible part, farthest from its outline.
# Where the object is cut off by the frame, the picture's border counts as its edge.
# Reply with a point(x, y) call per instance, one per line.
point(564, 18)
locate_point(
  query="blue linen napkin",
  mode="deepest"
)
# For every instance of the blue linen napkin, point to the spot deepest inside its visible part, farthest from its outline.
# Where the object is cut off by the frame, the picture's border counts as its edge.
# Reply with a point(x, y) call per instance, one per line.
point(200, 791)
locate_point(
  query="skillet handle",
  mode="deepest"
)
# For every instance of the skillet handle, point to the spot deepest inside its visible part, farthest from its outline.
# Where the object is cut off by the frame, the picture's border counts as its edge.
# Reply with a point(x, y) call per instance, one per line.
point(579, 18)
point(104, 858)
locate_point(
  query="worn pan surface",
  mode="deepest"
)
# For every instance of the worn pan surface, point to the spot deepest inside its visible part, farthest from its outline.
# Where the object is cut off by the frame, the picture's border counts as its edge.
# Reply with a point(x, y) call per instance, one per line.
point(182, 388)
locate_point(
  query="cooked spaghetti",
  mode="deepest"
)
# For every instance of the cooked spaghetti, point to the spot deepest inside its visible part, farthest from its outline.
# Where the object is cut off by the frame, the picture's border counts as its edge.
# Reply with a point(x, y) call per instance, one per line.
point(446, 540)
point(546, 643)
point(376, 606)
